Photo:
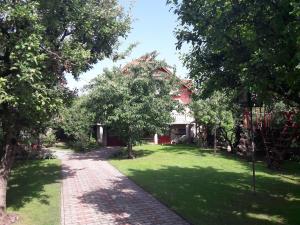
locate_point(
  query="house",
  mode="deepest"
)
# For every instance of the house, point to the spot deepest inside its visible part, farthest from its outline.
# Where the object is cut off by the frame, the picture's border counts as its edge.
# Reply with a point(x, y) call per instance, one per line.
point(182, 129)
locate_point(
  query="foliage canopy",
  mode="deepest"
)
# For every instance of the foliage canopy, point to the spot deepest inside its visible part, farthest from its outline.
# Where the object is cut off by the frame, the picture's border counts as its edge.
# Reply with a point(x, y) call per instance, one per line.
point(213, 113)
point(133, 100)
point(40, 41)
point(76, 121)
point(242, 44)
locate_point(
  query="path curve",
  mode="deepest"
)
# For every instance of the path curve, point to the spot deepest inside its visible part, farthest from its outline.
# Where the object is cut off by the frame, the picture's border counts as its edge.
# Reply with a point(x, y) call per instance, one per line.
point(95, 193)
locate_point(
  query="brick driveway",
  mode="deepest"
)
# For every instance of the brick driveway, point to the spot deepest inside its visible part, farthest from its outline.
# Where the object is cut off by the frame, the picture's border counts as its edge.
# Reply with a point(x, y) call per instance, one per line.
point(94, 192)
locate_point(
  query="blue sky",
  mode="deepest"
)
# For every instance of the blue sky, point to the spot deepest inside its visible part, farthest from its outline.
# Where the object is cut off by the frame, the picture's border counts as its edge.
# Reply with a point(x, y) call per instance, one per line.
point(153, 28)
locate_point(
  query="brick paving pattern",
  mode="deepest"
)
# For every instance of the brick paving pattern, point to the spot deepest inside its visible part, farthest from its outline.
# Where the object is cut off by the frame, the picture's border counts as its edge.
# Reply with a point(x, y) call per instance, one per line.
point(95, 193)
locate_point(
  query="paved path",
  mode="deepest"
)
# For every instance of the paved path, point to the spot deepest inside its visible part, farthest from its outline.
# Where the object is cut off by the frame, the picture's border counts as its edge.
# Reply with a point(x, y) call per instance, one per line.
point(95, 193)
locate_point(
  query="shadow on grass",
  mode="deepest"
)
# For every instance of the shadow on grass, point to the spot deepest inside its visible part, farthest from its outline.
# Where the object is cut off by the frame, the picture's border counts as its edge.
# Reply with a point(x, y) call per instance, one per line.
point(288, 168)
point(204, 196)
point(191, 149)
point(27, 182)
point(208, 196)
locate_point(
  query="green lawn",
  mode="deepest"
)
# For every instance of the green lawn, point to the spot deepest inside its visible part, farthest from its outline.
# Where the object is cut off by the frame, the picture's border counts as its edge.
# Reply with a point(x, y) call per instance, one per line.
point(62, 147)
point(210, 189)
point(34, 192)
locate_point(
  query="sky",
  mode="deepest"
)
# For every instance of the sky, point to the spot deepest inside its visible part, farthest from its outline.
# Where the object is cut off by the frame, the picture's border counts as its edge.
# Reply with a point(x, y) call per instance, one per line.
point(153, 29)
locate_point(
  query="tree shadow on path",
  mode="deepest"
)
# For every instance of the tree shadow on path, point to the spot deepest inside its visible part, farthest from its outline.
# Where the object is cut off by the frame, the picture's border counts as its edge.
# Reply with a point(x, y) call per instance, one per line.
point(203, 195)
point(126, 203)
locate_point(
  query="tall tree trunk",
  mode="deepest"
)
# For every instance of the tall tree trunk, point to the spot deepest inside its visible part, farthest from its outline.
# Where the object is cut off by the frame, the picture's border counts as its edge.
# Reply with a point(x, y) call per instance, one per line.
point(3, 188)
point(129, 149)
point(8, 153)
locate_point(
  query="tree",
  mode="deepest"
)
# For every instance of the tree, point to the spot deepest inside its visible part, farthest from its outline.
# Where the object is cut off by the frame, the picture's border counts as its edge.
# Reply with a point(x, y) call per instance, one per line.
point(133, 100)
point(40, 41)
point(242, 44)
point(213, 113)
point(76, 122)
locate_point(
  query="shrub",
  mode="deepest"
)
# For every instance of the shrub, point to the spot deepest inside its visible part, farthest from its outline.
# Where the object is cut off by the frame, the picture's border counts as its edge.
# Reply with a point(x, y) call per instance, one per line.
point(49, 138)
point(83, 144)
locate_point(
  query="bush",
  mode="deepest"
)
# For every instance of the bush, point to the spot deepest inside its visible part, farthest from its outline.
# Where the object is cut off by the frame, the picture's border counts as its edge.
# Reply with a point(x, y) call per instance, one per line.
point(76, 123)
point(83, 144)
point(41, 154)
point(48, 139)
point(26, 152)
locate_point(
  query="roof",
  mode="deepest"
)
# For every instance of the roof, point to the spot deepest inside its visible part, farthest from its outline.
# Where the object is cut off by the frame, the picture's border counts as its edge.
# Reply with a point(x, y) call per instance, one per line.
point(151, 56)
point(188, 83)
point(145, 58)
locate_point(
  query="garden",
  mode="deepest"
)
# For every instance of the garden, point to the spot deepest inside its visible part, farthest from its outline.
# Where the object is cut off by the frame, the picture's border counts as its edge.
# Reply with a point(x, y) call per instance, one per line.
point(236, 160)
point(215, 188)
point(34, 192)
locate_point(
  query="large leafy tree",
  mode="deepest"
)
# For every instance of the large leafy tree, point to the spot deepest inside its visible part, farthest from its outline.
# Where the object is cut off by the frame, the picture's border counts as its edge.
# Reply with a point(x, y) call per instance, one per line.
point(133, 100)
point(40, 41)
point(242, 44)
point(76, 122)
point(214, 114)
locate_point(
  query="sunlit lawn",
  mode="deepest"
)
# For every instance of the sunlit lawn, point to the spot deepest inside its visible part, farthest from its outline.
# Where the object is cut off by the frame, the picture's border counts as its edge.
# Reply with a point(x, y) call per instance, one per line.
point(34, 192)
point(209, 189)
point(62, 147)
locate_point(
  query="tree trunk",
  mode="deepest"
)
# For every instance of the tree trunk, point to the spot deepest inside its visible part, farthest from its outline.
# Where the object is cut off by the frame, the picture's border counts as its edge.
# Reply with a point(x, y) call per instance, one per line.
point(3, 188)
point(8, 153)
point(39, 145)
point(205, 137)
point(129, 149)
point(215, 140)
point(224, 134)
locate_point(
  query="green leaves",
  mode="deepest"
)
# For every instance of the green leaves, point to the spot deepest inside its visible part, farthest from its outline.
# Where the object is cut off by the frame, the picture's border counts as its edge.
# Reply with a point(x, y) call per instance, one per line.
point(42, 40)
point(213, 112)
point(237, 44)
point(77, 120)
point(133, 100)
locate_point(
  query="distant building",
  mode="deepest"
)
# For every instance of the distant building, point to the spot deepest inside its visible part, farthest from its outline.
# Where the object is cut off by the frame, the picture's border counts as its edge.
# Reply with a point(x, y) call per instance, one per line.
point(182, 129)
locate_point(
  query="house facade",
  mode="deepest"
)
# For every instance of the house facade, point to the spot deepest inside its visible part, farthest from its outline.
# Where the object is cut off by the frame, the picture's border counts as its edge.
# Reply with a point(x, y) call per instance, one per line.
point(182, 129)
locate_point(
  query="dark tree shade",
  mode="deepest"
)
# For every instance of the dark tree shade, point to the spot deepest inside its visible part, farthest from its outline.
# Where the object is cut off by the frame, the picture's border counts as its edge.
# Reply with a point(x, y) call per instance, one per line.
point(40, 41)
point(242, 44)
